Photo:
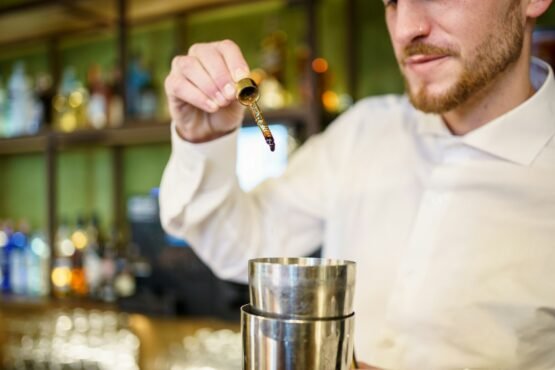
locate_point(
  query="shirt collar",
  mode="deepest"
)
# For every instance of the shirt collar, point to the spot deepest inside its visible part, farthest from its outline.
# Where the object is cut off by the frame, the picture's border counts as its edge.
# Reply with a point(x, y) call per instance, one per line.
point(518, 135)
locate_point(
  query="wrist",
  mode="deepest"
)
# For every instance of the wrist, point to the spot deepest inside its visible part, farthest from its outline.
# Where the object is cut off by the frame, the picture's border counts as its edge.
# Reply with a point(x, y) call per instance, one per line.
point(198, 135)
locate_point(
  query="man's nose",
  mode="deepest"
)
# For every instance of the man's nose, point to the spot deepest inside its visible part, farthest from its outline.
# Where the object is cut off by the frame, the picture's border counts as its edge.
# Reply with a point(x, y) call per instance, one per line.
point(411, 22)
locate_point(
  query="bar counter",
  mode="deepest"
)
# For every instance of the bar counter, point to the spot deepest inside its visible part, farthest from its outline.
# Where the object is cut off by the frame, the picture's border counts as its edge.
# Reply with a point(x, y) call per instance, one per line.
point(156, 335)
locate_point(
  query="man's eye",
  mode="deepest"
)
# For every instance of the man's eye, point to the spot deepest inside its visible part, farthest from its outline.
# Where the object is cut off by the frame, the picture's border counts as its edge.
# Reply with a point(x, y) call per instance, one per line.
point(390, 3)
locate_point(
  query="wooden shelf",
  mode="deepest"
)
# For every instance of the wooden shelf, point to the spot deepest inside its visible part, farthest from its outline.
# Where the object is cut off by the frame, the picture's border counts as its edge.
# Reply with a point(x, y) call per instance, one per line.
point(23, 145)
point(34, 20)
point(133, 133)
point(140, 134)
point(42, 19)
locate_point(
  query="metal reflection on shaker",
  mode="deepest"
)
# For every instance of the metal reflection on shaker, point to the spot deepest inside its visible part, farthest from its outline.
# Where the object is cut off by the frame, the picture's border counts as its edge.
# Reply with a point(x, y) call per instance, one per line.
point(300, 316)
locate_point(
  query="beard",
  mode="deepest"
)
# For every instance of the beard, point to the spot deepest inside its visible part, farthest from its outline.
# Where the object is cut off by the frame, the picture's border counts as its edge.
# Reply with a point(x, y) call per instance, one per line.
point(490, 60)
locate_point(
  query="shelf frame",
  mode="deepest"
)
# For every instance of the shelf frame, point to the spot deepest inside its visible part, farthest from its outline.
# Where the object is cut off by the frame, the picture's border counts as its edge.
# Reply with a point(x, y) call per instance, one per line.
point(50, 143)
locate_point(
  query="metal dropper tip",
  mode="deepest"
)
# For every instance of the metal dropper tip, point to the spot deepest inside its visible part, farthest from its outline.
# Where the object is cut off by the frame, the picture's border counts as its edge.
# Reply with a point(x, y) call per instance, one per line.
point(271, 143)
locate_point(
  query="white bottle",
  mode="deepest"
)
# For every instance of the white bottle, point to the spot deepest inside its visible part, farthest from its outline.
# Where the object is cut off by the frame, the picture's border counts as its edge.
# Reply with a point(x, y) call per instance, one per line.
point(21, 107)
point(38, 267)
point(2, 111)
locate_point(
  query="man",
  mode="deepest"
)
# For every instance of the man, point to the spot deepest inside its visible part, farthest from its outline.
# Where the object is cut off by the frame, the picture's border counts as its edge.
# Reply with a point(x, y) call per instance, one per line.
point(445, 198)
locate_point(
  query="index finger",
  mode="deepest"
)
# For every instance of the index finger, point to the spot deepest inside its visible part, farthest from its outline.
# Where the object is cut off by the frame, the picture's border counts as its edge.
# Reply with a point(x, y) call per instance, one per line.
point(234, 59)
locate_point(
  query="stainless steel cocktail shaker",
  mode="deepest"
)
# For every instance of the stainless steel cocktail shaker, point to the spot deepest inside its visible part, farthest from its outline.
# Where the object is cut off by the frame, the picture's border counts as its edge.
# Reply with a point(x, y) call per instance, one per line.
point(301, 314)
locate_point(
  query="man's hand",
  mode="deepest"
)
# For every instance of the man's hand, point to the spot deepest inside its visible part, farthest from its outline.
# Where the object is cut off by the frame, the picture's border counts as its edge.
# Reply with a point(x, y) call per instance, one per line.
point(201, 90)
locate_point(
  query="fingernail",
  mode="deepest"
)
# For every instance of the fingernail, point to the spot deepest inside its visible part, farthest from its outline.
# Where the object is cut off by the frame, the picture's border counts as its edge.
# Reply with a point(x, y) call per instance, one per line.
point(212, 107)
point(229, 91)
point(222, 102)
point(241, 73)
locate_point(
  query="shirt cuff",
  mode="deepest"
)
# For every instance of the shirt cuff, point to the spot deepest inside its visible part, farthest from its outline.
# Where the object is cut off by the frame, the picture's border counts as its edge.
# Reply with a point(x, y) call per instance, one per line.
point(192, 169)
point(217, 159)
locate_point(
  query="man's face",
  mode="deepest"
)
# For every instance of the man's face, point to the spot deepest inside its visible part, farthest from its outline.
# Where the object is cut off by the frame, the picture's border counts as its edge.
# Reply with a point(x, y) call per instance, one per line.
point(450, 50)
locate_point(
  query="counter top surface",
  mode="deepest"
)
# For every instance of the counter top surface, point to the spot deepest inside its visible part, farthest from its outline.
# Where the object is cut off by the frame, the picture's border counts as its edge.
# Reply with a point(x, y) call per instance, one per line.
point(156, 334)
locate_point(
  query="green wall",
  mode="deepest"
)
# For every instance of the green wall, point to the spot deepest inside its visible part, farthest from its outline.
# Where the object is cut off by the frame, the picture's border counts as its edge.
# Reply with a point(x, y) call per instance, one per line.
point(81, 52)
point(143, 167)
point(377, 66)
point(23, 189)
point(84, 180)
point(33, 56)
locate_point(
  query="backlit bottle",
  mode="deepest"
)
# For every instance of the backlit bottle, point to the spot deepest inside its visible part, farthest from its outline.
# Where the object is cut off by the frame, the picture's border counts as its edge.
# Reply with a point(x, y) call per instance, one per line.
point(70, 103)
point(5, 252)
point(18, 265)
point(80, 240)
point(38, 266)
point(61, 271)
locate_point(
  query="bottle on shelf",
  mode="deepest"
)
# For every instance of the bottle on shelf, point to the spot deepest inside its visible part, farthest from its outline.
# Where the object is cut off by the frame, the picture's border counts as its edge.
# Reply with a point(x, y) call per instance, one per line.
point(148, 101)
point(6, 247)
point(24, 261)
point(62, 266)
point(92, 260)
point(45, 95)
point(97, 110)
point(79, 238)
point(18, 258)
point(141, 97)
point(3, 120)
point(115, 101)
point(107, 267)
point(70, 103)
point(38, 266)
point(21, 116)
point(272, 73)
point(124, 281)
point(110, 267)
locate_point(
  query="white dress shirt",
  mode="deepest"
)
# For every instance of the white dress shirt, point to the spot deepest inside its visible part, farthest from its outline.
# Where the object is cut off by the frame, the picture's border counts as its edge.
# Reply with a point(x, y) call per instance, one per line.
point(454, 236)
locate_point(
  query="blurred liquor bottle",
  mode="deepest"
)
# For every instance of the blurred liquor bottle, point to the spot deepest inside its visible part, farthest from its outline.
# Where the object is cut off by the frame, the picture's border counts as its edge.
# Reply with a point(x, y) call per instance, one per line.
point(80, 240)
point(92, 261)
point(116, 112)
point(3, 107)
point(109, 269)
point(38, 266)
point(125, 283)
point(45, 95)
point(141, 93)
point(97, 110)
point(272, 75)
point(23, 114)
point(18, 258)
point(6, 247)
point(63, 252)
point(70, 103)
point(25, 261)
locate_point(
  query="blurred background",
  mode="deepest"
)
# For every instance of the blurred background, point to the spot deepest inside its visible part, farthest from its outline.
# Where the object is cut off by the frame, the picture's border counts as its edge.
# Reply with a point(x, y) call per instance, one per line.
point(89, 279)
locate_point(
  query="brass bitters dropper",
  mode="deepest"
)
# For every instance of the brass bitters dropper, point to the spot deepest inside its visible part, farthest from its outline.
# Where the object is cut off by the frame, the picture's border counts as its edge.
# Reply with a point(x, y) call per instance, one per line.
point(248, 95)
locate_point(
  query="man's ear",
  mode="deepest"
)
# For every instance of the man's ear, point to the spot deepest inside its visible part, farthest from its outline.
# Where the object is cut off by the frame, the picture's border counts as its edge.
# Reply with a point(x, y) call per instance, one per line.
point(536, 8)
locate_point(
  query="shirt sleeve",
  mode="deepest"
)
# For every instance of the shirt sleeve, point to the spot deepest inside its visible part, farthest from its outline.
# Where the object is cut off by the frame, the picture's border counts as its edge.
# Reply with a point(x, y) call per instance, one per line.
point(201, 201)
